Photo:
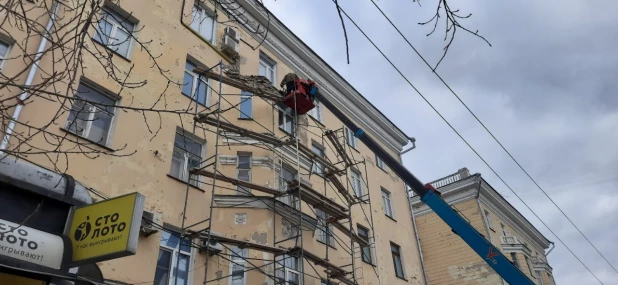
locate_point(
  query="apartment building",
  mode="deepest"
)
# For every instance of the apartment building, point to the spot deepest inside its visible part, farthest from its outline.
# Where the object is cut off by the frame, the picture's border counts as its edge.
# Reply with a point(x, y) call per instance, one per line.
point(229, 233)
point(448, 260)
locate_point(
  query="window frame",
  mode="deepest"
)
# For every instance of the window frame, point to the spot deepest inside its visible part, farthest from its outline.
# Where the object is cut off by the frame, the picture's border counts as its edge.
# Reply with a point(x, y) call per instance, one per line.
point(317, 111)
point(527, 260)
point(388, 202)
point(198, 140)
point(289, 200)
point(3, 57)
point(91, 113)
point(380, 163)
point(248, 99)
point(324, 230)
point(238, 170)
point(283, 117)
point(490, 223)
point(235, 258)
point(360, 228)
point(400, 259)
point(514, 260)
point(504, 231)
point(194, 84)
point(350, 139)
point(355, 175)
point(205, 11)
point(287, 270)
point(174, 253)
point(268, 63)
point(317, 167)
point(115, 25)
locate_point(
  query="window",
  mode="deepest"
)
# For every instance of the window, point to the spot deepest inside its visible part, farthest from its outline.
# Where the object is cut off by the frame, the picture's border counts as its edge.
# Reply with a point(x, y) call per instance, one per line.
point(316, 112)
point(538, 276)
point(238, 264)
point(488, 219)
point(195, 87)
point(317, 167)
point(287, 270)
point(396, 251)
point(357, 183)
point(504, 231)
point(325, 234)
point(350, 138)
point(115, 32)
point(4, 50)
point(267, 68)
point(91, 120)
point(380, 163)
point(514, 259)
point(172, 252)
point(286, 120)
point(363, 233)
point(528, 264)
point(243, 172)
point(187, 155)
point(387, 203)
point(203, 22)
point(286, 175)
point(246, 105)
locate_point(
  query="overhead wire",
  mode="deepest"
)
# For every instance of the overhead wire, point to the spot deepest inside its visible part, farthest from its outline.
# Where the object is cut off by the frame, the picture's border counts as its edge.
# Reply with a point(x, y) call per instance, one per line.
point(465, 141)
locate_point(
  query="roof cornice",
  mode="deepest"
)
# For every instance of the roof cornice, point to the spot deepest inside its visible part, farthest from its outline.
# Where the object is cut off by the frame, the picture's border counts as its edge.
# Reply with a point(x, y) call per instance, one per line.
point(300, 58)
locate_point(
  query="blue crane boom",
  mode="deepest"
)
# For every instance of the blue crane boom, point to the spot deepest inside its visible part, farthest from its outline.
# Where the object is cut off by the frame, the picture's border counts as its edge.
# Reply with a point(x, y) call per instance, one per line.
point(488, 252)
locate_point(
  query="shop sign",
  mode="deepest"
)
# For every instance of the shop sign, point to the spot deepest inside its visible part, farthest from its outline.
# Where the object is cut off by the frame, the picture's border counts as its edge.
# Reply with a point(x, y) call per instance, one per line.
point(106, 230)
point(11, 279)
point(31, 245)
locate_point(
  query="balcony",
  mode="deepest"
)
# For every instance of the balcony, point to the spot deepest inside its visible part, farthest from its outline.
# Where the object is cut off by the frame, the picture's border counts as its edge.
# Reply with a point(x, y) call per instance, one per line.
point(539, 263)
point(514, 244)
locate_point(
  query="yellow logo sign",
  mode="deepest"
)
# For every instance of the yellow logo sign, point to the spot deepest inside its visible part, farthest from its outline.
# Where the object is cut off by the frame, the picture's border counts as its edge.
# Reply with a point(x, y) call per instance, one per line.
point(107, 229)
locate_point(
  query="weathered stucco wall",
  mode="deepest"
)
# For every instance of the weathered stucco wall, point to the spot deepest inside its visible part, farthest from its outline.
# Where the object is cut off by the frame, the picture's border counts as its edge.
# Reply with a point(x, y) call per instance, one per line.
point(146, 169)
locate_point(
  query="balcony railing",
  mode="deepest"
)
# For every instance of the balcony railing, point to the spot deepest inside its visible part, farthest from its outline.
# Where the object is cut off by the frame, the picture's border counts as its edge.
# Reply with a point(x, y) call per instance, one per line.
point(446, 180)
point(511, 240)
point(538, 260)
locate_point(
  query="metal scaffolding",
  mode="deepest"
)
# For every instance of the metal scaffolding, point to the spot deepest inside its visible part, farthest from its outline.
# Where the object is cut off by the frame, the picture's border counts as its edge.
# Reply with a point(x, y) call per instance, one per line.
point(286, 198)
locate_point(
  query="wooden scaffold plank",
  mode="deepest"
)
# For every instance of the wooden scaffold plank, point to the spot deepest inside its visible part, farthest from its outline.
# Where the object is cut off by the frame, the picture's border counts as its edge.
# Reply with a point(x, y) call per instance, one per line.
point(317, 200)
point(258, 85)
point(237, 182)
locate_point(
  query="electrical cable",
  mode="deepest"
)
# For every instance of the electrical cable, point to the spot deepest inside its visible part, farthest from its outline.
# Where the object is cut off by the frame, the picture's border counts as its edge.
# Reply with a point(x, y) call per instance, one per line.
point(465, 141)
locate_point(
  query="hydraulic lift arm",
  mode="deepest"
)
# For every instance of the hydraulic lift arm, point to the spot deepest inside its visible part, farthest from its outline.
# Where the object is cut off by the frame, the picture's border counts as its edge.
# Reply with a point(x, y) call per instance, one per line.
point(461, 227)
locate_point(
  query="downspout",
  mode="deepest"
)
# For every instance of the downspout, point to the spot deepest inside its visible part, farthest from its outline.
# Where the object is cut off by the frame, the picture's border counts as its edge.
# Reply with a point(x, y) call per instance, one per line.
point(30, 78)
point(418, 241)
point(478, 201)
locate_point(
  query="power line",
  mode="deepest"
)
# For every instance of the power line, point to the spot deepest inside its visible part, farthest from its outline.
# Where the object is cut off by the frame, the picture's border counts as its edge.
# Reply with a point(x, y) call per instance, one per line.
point(492, 135)
point(463, 139)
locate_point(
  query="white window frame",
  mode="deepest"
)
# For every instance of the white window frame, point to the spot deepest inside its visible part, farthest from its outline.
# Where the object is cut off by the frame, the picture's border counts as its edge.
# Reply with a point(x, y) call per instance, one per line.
point(317, 167)
point(238, 170)
point(194, 86)
point(380, 163)
point(324, 233)
point(269, 64)
point(387, 204)
point(245, 98)
point(400, 255)
point(8, 50)
point(355, 177)
point(175, 252)
point(287, 117)
point(289, 200)
point(350, 138)
point(185, 173)
point(539, 277)
point(358, 229)
point(91, 112)
point(238, 261)
point(287, 270)
point(115, 26)
point(504, 231)
point(204, 13)
point(316, 112)
point(490, 223)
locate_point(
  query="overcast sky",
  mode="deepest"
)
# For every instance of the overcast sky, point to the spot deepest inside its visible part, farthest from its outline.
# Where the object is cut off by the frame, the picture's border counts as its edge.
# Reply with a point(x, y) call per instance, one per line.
point(547, 89)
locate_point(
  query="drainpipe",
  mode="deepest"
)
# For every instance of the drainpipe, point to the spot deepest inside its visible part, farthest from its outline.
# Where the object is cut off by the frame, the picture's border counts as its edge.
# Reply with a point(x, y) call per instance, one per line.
point(418, 242)
point(30, 78)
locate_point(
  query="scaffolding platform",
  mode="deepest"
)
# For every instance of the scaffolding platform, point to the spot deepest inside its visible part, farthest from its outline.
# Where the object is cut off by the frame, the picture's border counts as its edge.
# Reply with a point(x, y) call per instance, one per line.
point(237, 182)
point(317, 200)
point(253, 84)
point(204, 118)
point(312, 155)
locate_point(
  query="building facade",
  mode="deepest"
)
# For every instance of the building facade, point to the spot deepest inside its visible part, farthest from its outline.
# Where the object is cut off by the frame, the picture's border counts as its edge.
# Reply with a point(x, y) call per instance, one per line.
point(448, 260)
point(229, 233)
